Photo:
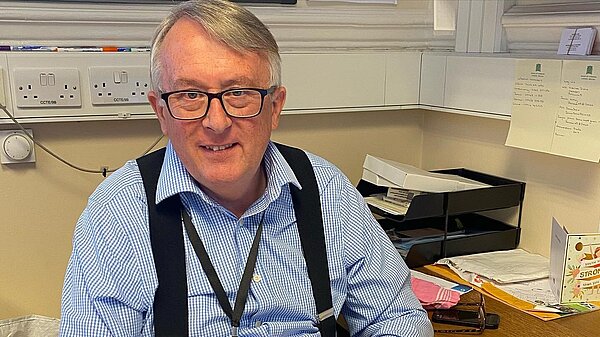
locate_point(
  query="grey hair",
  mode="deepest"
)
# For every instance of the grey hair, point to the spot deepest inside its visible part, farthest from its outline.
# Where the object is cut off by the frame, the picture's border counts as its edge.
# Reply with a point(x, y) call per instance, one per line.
point(224, 21)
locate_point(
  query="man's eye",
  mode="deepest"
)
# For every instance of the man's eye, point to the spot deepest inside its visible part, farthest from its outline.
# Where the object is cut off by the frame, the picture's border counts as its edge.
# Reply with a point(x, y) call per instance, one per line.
point(191, 95)
point(238, 93)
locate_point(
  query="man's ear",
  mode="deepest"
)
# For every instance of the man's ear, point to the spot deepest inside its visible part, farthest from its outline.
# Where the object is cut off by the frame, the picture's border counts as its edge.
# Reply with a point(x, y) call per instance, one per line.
point(159, 108)
point(277, 103)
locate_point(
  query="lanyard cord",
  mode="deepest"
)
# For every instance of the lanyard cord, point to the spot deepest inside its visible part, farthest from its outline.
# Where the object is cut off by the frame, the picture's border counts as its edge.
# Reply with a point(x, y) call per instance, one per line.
point(240, 300)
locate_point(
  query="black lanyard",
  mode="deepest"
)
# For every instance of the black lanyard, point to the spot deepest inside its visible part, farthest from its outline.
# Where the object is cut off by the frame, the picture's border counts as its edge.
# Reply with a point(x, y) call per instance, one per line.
point(240, 300)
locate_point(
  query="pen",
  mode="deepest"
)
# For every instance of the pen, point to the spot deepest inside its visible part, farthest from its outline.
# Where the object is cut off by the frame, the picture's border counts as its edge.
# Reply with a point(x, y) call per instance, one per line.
point(133, 49)
point(140, 49)
point(32, 48)
point(79, 49)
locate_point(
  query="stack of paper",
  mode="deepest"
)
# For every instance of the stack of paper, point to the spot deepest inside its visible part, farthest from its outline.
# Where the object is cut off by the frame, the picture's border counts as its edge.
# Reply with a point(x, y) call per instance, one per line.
point(577, 41)
point(516, 277)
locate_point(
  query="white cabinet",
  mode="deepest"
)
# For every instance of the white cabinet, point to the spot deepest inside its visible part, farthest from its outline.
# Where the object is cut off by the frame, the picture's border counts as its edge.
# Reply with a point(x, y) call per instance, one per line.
point(483, 84)
point(402, 77)
point(433, 79)
point(350, 81)
point(464, 83)
point(325, 81)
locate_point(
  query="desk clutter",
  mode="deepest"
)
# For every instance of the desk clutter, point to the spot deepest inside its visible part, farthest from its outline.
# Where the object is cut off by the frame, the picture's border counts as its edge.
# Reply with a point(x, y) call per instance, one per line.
point(429, 215)
point(515, 277)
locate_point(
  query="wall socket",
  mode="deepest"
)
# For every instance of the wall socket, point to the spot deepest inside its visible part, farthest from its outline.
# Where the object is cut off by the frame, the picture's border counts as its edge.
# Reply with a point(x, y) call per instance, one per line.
point(119, 85)
point(47, 87)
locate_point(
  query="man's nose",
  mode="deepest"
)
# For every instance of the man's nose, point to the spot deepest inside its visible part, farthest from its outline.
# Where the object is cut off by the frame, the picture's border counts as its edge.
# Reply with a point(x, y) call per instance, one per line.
point(216, 118)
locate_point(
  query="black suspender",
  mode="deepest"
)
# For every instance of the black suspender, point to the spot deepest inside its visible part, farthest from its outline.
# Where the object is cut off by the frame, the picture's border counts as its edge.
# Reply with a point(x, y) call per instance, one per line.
point(307, 207)
point(166, 234)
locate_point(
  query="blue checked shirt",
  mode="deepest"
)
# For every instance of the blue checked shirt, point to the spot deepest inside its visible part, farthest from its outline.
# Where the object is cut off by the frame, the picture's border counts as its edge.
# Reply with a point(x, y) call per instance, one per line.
point(110, 281)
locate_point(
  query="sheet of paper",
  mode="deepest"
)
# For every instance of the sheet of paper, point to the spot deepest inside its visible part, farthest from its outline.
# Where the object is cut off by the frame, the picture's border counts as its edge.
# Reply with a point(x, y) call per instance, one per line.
point(556, 108)
point(577, 131)
point(503, 266)
point(535, 99)
point(536, 291)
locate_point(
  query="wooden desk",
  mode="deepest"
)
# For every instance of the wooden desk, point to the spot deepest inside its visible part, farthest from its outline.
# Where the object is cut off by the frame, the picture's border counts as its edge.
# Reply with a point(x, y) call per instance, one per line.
point(515, 323)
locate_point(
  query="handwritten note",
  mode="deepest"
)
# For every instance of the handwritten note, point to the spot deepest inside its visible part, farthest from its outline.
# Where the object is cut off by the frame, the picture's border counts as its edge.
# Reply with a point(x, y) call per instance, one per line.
point(535, 98)
point(556, 108)
point(577, 131)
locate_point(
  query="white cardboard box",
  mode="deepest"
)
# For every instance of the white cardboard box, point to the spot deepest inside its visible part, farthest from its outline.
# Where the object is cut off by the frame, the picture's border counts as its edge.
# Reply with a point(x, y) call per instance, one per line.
point(374, 179)
point(574, 265)
point(412, 178)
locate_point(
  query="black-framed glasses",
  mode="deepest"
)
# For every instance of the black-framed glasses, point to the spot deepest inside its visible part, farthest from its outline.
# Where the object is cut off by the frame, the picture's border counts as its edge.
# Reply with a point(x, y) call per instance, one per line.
point(470, 314)
point(237, 102)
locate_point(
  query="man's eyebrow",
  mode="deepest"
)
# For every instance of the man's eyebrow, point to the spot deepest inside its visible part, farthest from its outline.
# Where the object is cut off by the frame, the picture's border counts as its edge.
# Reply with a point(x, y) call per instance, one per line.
point(184, 83)
point(241, 81)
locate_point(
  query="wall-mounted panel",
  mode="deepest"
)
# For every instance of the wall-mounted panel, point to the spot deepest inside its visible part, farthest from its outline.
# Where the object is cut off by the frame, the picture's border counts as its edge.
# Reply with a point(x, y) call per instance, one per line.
point(433, 79)
point(482, 84)
point(402, 77)
point(331, 81)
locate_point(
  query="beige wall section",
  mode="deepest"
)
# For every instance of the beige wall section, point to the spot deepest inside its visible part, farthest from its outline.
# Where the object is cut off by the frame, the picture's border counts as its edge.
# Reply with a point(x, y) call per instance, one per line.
point(565, 188)
point(42, 201)
point(345, 138)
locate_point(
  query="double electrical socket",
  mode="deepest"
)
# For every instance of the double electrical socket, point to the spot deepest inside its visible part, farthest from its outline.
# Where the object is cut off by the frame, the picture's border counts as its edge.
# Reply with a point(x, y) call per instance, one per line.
point(47, 87)
point(119, 85)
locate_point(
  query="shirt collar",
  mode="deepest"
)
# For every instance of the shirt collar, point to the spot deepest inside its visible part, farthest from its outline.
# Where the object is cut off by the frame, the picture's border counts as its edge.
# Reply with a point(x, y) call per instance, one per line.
point(174, 177)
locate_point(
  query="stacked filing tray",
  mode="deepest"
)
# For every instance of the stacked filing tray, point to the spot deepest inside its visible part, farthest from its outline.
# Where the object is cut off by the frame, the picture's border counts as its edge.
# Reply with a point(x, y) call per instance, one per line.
point(455, 212)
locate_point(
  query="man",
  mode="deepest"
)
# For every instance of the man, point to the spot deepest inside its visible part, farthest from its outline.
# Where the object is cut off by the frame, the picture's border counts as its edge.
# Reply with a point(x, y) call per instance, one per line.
point(217, 95)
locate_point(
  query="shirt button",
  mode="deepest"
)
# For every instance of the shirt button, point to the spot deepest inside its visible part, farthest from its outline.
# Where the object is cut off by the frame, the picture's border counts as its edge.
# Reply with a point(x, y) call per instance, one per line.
point(256, 278)
point(258, 324)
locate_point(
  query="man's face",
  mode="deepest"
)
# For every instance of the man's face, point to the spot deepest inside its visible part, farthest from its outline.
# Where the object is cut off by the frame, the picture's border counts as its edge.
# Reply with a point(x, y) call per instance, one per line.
point(221, 152)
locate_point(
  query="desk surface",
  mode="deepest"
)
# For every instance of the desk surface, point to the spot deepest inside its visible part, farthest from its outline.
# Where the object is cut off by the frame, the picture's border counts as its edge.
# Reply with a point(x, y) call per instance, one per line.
point(514, 323)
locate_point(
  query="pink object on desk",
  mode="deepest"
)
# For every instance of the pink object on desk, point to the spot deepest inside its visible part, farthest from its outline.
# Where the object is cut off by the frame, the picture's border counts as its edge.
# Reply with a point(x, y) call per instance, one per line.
point(432, 296)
